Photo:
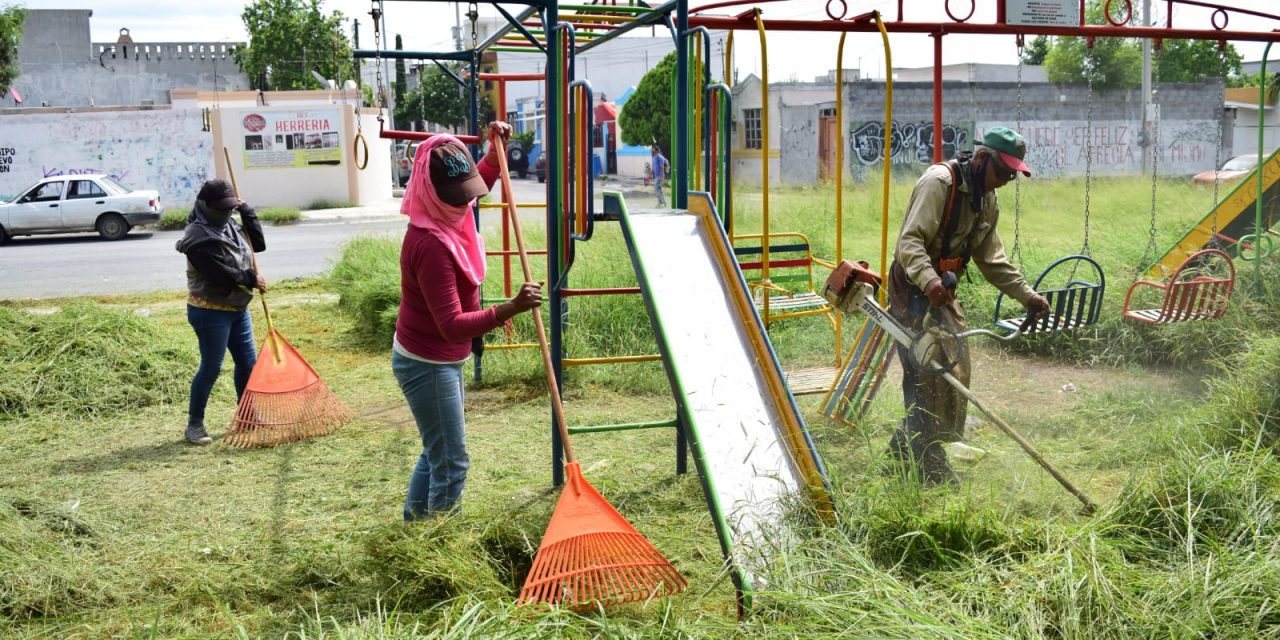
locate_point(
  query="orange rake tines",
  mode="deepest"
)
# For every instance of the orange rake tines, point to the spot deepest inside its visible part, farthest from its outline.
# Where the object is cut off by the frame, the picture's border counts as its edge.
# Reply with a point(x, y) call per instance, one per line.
point(591, 554)
point(284, 400)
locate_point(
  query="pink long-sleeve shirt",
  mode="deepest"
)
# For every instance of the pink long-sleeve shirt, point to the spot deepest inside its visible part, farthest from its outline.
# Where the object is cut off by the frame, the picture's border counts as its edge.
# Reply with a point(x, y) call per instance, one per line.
point(439, 307)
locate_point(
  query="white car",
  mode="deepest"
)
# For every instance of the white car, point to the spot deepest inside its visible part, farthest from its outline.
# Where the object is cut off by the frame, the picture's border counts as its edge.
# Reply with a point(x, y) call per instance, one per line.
point(92, 202)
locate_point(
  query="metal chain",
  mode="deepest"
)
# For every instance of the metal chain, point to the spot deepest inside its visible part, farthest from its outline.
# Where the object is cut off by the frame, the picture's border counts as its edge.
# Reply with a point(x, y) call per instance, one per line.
point(1217, 145)
point(381, 96)
point(1088, 150)
point(1016, 252)
point(1155, 157)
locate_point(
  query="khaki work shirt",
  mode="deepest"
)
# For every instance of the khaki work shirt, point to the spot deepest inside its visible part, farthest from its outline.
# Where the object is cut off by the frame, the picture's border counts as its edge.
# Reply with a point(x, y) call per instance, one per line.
point(920, 240)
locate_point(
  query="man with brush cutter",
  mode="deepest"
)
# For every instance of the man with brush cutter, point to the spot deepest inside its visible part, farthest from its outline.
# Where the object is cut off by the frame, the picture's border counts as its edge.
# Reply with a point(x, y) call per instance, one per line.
point(442, 264)
point(951, 220)
point(220, 284)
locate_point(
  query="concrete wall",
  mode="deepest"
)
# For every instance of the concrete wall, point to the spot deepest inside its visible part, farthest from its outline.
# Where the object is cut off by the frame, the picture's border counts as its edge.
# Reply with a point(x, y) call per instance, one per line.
point(1054, 118)
point(60, 67)
point(164, 149)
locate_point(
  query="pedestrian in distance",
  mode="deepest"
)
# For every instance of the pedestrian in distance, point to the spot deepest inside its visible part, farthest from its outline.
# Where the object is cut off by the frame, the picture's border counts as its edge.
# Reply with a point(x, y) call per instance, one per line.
point(442, 264)
point(950, 221)
point(661, 170)
point(220, 284)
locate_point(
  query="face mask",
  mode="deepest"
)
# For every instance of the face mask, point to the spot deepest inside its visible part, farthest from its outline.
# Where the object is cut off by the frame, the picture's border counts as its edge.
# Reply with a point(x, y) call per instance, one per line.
point(217, 217)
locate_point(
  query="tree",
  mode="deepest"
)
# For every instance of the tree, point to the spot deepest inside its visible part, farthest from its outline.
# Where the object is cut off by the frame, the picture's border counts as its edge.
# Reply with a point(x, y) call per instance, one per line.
point(646, 117)
point(399, 91)
point(438, 99)
point(282, 33)
point(1034, 52)
point(1117, 62)
point(10, 35)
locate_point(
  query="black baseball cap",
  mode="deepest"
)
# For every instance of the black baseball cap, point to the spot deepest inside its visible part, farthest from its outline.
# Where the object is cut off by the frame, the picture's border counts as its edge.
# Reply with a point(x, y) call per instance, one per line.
point(218, 194)
point(454, 174)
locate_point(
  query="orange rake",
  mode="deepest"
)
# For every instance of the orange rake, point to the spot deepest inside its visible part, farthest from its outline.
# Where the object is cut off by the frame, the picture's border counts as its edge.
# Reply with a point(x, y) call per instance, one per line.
point(590, 555)
point(285, 400)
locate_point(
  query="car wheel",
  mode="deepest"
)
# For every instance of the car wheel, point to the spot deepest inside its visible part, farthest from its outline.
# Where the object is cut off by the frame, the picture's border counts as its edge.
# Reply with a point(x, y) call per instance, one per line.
point(523, 174)
point(515, 155)
point(4, 235)
point(112, 227)
point(542, 178)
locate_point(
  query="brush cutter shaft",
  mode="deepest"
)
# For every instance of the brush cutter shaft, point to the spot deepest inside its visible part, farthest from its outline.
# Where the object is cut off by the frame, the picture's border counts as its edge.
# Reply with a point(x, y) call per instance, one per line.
point(509, 198)
point(866, 303)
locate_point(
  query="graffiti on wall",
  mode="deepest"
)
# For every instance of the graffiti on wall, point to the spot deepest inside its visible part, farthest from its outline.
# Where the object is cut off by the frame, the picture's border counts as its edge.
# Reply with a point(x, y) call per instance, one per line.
point(164, 150)
point(910, 142)
point(1069, 147)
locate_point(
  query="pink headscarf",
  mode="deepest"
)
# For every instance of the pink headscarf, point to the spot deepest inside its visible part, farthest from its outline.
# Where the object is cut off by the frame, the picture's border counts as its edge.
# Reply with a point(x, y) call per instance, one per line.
point(451, 224)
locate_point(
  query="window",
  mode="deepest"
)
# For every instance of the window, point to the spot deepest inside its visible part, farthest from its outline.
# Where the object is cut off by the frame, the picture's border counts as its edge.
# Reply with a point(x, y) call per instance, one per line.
point(85, 189)
point(751, 117)
point(46, 192)
point(827, 113)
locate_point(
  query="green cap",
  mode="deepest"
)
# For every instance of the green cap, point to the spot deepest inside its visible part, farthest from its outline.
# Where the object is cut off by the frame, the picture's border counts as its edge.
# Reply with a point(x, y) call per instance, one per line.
point(1011, 146)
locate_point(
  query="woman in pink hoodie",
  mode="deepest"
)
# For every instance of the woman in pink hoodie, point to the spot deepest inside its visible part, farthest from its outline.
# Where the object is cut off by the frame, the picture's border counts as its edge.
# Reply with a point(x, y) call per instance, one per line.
point(442, 264)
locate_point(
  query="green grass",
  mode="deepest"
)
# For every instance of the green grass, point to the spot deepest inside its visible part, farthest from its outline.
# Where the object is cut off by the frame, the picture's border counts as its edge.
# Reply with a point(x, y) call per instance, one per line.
point(111, 526)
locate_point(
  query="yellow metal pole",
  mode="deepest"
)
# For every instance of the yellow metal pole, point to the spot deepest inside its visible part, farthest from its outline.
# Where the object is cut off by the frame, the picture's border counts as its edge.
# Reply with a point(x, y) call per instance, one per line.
point(764, 156)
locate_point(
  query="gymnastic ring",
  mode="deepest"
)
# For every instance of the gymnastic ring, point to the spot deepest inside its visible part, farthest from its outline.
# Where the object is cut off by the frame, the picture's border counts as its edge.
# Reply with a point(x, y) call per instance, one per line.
point(355, 151)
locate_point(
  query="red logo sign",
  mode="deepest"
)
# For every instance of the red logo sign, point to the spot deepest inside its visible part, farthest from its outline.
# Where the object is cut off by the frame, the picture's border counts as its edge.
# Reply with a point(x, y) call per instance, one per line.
point(254, 123)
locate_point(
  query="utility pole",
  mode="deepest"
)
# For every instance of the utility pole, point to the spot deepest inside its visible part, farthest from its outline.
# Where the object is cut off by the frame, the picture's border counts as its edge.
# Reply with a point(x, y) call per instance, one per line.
point(1147, 148)
point(457, 26)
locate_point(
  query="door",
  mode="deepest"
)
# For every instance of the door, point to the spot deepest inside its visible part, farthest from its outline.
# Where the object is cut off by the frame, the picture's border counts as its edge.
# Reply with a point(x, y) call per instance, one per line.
point(84, 201)
point(39, 209)
point(826, 147)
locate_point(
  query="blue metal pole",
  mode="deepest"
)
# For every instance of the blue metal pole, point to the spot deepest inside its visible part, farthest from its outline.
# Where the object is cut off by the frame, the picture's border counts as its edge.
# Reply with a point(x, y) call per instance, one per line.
point(555, 151)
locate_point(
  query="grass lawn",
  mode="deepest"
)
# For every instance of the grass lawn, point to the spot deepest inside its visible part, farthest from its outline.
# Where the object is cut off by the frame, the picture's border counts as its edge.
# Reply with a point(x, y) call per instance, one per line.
point(112, 526)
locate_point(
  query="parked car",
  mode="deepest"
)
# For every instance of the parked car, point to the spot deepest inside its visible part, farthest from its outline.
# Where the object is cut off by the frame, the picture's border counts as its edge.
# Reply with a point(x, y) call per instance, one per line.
point(540, 167)
point(91, 202)
point(1234, 169)
point(403, 163)
point(517, 159)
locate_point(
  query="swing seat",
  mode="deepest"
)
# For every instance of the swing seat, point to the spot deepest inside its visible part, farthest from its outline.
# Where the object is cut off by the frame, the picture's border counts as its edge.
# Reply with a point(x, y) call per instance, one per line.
point(790, 289)
point(1076, 304)
point(1191, 294)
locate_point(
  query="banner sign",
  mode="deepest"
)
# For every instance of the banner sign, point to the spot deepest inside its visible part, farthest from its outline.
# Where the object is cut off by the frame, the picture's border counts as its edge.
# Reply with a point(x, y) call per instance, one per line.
point(1052, 13)
point(291, 139)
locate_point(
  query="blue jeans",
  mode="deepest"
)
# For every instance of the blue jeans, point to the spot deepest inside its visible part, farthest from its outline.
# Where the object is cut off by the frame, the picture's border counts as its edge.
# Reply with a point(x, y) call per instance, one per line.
point(434, 393)
point(217, 332)
point(660, 192)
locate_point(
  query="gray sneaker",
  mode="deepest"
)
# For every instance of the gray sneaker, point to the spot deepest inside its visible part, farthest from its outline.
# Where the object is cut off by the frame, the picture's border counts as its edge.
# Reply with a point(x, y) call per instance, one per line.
point(197, 435)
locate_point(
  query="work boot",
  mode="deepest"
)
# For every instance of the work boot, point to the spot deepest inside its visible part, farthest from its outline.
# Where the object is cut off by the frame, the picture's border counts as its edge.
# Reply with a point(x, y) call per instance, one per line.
point(935, 470)
point(197, 435)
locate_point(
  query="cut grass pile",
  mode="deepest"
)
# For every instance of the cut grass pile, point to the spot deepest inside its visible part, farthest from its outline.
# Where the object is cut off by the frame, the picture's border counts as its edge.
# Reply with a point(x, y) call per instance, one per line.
point(87, 360)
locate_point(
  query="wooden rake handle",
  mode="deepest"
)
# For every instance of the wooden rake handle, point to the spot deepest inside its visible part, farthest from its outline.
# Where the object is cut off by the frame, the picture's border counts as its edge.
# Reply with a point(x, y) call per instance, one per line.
point(508, 196)
point(253, 255)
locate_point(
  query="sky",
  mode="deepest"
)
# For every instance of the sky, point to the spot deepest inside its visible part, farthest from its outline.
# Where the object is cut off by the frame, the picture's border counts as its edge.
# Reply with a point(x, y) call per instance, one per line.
point(426, 26)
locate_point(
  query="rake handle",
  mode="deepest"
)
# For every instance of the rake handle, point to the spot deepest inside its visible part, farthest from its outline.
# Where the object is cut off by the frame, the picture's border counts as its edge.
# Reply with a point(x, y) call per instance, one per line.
point(253, 255)
point(508, 194)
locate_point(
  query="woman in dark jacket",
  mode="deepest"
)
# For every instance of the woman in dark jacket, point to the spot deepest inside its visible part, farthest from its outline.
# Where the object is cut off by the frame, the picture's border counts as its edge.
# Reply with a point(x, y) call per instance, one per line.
point(220, 284)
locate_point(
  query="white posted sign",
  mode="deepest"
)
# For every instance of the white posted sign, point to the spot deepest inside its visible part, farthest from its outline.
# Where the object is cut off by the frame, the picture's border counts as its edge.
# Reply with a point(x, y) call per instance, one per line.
point(1053, 13)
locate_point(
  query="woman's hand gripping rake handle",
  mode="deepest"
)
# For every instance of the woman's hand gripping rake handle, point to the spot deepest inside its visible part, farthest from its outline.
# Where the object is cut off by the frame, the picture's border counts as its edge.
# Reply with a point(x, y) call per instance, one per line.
point(253, 255)
point(508, 196)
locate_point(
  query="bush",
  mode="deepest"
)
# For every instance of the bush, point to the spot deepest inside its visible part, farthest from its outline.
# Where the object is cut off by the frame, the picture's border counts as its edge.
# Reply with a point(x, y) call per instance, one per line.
point(280, 216)
point(173, 221)
point(325, 203)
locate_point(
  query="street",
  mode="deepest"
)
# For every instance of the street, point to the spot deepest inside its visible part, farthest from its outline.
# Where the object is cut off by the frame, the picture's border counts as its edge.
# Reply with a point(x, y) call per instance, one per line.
point(83, 264)
point(53, 266)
